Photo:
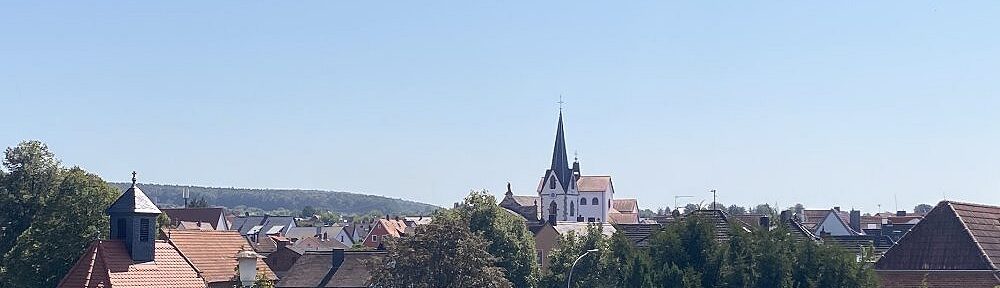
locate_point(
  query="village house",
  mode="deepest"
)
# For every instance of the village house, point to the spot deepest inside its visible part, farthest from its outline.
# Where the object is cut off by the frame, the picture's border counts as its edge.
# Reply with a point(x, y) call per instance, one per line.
point(955, 245)
point(335, 268)
point(547, 236)
point(383, 229)
point(197, 218)
point(212, 254)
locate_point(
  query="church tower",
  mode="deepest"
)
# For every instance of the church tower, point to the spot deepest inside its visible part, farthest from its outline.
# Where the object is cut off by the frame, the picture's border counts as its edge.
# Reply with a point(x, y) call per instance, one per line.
point(558, 190)
point(133, 221)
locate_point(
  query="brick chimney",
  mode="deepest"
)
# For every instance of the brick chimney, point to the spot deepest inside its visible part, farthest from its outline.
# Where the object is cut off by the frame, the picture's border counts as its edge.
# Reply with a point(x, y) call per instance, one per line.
point(856, 220)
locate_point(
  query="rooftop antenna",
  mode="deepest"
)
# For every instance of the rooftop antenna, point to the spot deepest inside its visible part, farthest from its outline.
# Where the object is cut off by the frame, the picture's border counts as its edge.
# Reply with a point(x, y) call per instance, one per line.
point(895, 200)
point(679, 196)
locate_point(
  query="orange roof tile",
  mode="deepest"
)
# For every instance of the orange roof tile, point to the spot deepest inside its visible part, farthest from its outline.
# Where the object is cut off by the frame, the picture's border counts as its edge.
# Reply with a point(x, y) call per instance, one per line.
point(213, 252)
point(593, 183)
point(106, 263)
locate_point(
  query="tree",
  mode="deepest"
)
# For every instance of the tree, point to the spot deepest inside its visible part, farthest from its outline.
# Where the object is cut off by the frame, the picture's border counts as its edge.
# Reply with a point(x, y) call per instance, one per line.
point(308, 212)
point(510, 241)
point(163, 221)
point(444, 253)
point(736, 210)
point(594, 270)
point(922, 209)
point(686, 254)
point(58, 213)
point(198, 203)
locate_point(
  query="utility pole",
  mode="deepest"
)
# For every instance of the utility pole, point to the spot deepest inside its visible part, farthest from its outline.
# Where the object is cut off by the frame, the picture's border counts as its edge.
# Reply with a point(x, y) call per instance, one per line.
point(713, 199)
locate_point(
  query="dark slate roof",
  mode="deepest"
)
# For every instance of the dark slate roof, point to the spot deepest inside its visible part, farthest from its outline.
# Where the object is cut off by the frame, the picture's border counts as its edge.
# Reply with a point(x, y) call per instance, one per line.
point(953, 236)
point(639, 233)
point(719, 221)
point(315, 269)
point(799, 232)
point(560, 161)
point(245, 223)
point(854, 243)
point(133, 201)
point(204, 215)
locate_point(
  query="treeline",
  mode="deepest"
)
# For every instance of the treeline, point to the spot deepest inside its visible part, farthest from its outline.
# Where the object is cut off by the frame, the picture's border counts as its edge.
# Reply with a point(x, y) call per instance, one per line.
point(488, 247)
point(344, 203)
point(687, 254)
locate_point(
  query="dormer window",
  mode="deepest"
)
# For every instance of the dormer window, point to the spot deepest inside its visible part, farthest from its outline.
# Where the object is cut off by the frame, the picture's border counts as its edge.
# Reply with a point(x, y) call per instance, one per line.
point(552, 182)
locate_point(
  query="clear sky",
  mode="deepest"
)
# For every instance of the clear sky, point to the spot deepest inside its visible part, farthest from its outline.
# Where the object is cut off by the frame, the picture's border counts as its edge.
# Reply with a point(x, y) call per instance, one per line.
point(820, 102)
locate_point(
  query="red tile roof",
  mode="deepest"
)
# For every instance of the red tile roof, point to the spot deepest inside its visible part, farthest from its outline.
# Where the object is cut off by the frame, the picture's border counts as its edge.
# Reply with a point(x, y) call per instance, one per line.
point(106, 263)
point(213, 252)
point(625, 205)
point(593, 183)
point(623, 218)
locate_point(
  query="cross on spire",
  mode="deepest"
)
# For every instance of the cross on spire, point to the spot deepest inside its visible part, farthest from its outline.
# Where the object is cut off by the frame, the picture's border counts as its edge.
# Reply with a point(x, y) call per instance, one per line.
point(133, 178)
point(560, 103)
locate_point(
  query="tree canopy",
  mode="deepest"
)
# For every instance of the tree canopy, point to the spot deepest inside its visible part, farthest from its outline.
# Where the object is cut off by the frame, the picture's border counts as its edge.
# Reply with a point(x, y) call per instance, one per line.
point(49, 215)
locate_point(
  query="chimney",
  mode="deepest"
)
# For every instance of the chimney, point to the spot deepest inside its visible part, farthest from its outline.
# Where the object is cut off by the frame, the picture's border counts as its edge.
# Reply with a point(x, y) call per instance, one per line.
point(901, 213)
point(338, 257)
point(246, 214)
point(325, 237)
point(856, 220)
point(319, 230)
point(785, 216)
point(765, 221)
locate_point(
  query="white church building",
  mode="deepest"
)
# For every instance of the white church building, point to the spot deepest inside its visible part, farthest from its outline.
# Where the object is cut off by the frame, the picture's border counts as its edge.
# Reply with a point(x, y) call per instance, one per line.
point(565, 195)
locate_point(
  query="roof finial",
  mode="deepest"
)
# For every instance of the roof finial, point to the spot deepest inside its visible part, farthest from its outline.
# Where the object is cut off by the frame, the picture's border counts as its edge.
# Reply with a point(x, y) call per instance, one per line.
point(576, 156)
point(133, 178)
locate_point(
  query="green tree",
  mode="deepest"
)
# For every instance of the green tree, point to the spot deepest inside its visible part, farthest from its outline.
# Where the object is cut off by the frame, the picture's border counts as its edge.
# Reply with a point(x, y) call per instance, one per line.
point(689, 246)
point(442, 254)
point(198, 203)
point(736, 210)
point(60, 215)
point(163, 221)
point(308, 212)
point(593, 270)
point(922, 209)
point(510, 241)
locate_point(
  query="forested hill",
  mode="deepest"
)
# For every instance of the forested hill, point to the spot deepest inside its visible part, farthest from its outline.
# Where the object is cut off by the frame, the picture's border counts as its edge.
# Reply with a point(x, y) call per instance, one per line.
point(276, 199)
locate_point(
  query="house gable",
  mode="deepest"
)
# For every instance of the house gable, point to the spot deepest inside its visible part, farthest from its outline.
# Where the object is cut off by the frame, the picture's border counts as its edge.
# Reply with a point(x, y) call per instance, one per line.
point(940, 241)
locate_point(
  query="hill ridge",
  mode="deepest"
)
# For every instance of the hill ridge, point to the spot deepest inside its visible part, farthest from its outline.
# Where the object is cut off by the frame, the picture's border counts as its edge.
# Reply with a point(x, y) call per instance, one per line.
point(283, 198)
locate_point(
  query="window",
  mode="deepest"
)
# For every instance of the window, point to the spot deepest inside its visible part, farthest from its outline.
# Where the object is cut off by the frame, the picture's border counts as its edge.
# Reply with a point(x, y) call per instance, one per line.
point(120, 234)
point(594, 201)
point(144, 230)
point(552, 182)
point(591, 219)
point(374, 238)
point(583, 201)
point(572, 211)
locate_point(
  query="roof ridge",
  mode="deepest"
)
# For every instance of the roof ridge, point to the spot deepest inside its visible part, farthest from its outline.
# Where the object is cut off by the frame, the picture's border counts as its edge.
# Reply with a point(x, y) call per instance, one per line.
point(969, 203)
point(965, 227)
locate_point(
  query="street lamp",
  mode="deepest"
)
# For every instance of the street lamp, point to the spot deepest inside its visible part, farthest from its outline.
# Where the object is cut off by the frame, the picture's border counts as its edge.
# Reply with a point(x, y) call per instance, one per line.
point(570, 277)
point(247, 260)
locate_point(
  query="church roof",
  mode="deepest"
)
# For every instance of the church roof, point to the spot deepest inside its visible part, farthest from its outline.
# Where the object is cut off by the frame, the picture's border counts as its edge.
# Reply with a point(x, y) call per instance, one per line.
point(133, 201)
point(593, 183)
point(560, 161)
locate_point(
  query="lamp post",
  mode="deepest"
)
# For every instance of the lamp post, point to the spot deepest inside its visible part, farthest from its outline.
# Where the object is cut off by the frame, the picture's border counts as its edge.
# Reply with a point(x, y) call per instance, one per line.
point(569, 278)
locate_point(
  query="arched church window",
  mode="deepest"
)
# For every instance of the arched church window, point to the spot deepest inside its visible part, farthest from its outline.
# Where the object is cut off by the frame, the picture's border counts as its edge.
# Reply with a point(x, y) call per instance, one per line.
point(594, 201)
point(583, 201)
point(552, 182)
point(572, 211)
point(552, 208)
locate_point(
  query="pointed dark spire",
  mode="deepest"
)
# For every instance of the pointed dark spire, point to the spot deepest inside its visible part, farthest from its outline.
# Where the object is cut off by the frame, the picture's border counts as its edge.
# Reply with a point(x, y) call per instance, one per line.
point(560, 161)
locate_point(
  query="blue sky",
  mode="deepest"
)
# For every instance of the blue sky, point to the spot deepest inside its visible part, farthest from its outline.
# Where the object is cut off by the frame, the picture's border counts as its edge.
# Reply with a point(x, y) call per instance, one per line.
point(824, 103)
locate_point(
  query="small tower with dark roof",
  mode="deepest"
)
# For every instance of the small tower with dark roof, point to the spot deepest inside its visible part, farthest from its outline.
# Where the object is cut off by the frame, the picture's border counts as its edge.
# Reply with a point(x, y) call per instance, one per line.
point(133, 221)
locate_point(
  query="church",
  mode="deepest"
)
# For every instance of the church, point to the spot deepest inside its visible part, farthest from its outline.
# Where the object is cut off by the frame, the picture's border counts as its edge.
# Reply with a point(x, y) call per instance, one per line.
point(566, 195)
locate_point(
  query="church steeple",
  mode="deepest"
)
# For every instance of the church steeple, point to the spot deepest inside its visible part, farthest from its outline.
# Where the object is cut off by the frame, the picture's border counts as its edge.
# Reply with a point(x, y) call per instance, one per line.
point(560, 161)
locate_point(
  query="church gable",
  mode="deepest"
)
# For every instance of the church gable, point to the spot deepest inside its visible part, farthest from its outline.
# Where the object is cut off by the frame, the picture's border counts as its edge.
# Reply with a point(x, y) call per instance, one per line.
point(940, 241)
